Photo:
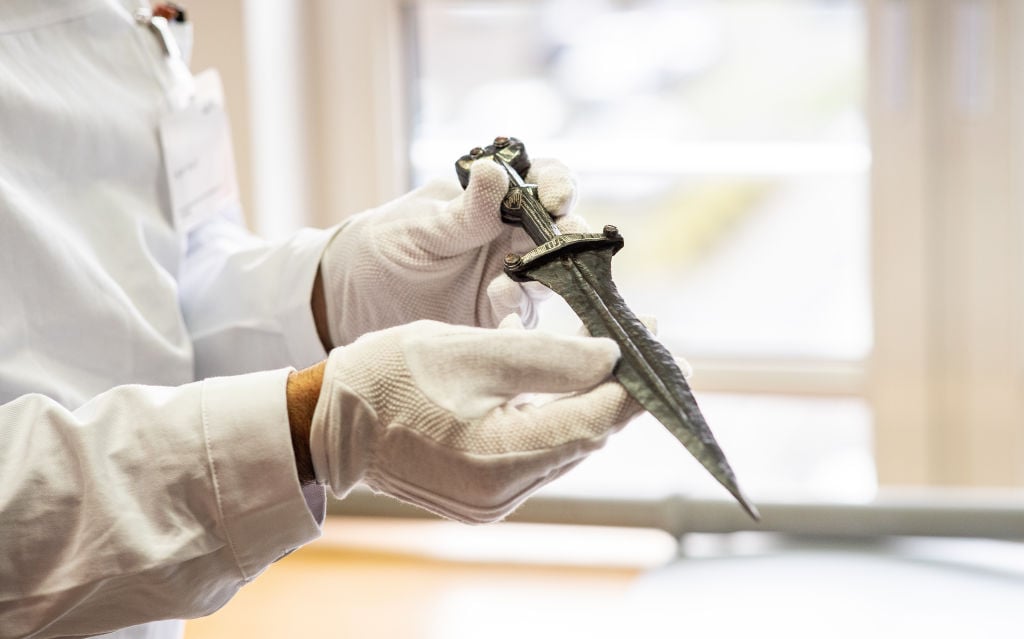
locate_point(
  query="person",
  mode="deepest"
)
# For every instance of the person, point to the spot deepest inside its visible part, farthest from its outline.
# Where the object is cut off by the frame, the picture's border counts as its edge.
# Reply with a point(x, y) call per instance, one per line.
point(176, 393)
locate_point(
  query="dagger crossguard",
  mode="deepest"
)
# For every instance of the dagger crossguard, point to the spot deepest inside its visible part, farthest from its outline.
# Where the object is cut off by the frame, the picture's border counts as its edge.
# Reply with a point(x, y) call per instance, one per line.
point(565, 244)
point(522, 207)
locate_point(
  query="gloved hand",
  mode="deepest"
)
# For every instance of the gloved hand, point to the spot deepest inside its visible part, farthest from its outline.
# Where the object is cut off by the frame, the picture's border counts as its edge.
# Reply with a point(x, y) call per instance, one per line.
point(433, 414)
point(437, 253)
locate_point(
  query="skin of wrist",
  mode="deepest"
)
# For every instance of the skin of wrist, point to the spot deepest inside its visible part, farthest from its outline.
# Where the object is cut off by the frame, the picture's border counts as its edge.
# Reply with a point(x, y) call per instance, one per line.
point(318, 304)
point(302, 392)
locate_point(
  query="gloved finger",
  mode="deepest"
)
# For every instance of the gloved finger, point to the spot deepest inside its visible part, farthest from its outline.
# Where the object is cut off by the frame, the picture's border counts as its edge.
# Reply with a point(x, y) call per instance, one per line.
point(508, 296)
point(470, 372)
point(536, 291)
point(512, 322)
point(684, 366)
point(572, 223)
point(556, 185)
point(599, 412)
point(471, 220)
point(492, 502)
point(570, 426)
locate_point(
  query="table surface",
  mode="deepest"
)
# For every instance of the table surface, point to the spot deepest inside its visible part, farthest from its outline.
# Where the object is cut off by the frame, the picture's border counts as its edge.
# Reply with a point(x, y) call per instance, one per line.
point(426, 580)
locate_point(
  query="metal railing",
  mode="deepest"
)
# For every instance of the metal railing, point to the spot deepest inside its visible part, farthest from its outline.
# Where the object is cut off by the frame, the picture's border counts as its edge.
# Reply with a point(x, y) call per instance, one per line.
point(929, 513)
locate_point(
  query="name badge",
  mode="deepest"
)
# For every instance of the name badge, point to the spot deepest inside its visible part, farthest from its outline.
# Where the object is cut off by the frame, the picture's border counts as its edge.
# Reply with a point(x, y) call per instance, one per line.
point(200, 165)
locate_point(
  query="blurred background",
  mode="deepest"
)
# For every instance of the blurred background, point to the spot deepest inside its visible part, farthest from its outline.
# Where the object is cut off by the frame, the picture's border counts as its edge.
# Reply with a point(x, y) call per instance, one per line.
point(821, 205)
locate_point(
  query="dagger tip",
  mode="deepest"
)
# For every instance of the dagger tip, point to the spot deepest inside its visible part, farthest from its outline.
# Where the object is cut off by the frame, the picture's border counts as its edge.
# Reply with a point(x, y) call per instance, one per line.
point(747, 505)
point(751, 510)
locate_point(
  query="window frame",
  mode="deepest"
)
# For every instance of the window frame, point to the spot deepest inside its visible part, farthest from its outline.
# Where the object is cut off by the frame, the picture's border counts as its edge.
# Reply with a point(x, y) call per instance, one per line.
point(946, 373)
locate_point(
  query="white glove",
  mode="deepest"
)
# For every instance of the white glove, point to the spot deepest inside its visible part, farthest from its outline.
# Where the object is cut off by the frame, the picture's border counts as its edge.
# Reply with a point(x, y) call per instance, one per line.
point(432, 414)
point(437, 253)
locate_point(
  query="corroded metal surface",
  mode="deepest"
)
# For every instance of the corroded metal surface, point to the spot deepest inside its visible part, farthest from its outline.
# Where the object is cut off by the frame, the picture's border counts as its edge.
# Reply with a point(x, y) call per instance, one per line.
point(577, 266)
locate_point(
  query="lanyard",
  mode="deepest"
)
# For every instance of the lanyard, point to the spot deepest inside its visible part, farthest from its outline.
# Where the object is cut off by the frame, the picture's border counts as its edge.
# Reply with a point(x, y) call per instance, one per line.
point(180, 84)
point(157, 20)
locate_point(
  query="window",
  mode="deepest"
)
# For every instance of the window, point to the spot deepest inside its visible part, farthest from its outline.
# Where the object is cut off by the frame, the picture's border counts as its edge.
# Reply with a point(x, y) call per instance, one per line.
point(727, 141)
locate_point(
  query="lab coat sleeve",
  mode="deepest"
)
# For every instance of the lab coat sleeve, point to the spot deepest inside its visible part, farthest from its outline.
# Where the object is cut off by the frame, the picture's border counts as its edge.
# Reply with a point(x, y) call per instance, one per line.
point(145, 503)
point(246, 300)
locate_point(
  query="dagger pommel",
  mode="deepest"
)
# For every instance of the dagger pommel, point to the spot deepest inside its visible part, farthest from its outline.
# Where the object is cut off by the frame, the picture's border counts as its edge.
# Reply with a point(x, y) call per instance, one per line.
point(508, 151)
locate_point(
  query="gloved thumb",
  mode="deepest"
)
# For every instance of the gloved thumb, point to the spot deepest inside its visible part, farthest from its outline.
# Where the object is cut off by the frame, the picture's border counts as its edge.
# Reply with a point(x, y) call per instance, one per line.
point(524, 299)
point(512, 322)
point(556, 185)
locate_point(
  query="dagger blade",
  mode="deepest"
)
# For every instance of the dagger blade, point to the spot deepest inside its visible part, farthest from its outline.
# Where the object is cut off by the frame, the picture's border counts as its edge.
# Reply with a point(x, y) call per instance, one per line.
point(647, 370)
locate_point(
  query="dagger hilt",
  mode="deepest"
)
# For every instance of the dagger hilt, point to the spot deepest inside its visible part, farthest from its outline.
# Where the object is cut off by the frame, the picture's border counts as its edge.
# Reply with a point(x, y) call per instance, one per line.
point(521, 206)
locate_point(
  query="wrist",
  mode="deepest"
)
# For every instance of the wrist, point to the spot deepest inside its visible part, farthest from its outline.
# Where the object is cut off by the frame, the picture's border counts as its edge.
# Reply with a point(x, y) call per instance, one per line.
point(302, 392)
point(318, 304)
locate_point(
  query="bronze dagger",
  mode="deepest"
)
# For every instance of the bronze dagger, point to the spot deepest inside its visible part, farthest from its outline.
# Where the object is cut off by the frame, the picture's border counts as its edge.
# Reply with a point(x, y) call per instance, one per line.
point(577, 266)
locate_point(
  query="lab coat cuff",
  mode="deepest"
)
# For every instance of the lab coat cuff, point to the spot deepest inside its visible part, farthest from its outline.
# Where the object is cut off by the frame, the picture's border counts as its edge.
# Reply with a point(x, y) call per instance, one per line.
point(294, 309)
point(260, 502)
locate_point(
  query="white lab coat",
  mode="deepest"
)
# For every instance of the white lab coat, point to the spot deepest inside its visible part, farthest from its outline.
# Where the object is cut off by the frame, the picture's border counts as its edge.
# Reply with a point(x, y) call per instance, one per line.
point(129, 492)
